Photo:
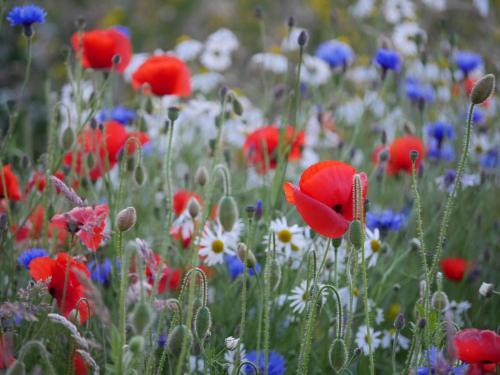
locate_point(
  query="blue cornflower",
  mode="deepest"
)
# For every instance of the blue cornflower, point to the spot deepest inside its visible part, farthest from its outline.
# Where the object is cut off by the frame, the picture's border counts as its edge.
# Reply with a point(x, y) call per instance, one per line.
point(335, 53)
point(490, 159)
point(437, 364)
point(467, 61)
point(386, 220)
point(26, 15)
point(439, 131)
point(235, 266)
point(418, 91)
point(25, 258)
point(387, 59)
point(477, 116)
point(101, 272)
point(121, 114)
point(258, 209)
point(440, 150)
point(276, 363)
point(162, 340)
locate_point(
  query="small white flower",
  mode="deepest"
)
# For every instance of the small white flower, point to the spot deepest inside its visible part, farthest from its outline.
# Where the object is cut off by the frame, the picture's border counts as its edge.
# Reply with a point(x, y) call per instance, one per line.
point(352, 111)
point(486, 289)
point(389, 336)
point(271, 62)
point(183, 225)
point(315, 71)
point(362, 8)
point(365, 336)
point(215, 243)
point(206, 82)
point(196, 364)
point(231, 343)
point(373, 246)
point(225, 39)
point(188, 50)
point(300, 295)
point(379, 316)
point(230, 357)
point(458, 309)
point(479, 144)
point(216, 58)
point(403, 37)
point(289, 239)
point(396, 10)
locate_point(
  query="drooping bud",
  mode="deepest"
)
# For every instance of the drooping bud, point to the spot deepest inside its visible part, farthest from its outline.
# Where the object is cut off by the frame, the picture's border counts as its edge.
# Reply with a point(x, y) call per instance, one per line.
point(399, 322)
point(140, 175)
point(482, 89)
point(486, 289)
point(439, 300)
point(126, 219)
point(136, 344)
point(176, 337)
point(228, 212)
point(356, 234)
point(201, 176)
point(193, 208)
point(141, 316)
point(337, 355)
point(202, 322)
point(275, 274)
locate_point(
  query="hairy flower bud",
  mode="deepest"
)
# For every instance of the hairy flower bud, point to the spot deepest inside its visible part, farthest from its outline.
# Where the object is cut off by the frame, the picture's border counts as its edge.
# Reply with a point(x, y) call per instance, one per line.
point(193, 208)
point(302, 39)
point(201, 176)
point(202, 322)
point(173, 113)
point(356, 234)
point(141, 316)
point(337, 355)
point(237, 106)
point(482, 89)
point(399, 322)
point(439, 300)
point(139, 175)
point(228, 212)
point(68, 138)
point(175, 339)
point(136, 344)
point(126, 219)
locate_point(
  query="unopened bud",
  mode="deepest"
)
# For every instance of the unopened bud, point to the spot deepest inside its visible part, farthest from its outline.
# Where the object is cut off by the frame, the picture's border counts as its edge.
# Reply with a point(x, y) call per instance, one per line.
point(141, 316)
point(67, 139)
point(202, 322)
point(237, 106)
point(336, 242)
point(194, 208)
point(126, 219)
point(136, 344)
point(383, 155)
point(415, 244)
point(302, 39)
point(173, 113)
point(231, 343)
point(139, 175)
point(482, 89)
point(116, 59)
point(399, 322)
point(396, 287)
point(421, 323)
point(201, 176)
point(439, 300)
point(337, 355)
point(175, 339)
point(413, 155)
point(291, 22)
point(356, 234)
point(228, 212)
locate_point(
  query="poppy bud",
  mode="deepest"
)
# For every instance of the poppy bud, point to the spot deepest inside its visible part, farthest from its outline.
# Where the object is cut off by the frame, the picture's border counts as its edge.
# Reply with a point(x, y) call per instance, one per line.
point(486, 289)
point(399, 322)
point(241, 251)
point(250, 210)
point(302, 39)
point(336, 242)
point(439, 300)
point(17, 368)
point(228, 212)
point(136, 344)
point(337, 355)
point(383, 155)
point(422, 323)
point(201, 176)
point(396, 287)
point(275, 274)
point(202, 322)
point(176, 337)
point(193, 208)
point(356, 234)
point(126, 219)
point(173, 113)
point(131, 163)
point(139, 175)
point(482, 89)
point(67, 138)
point(237, 106)
point(141, 316)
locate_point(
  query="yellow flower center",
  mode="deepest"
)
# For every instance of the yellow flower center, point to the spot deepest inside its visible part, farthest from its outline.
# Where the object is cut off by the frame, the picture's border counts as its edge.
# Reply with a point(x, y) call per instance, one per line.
point(294, 247)
point(392, 312)
point(375, 245)
point(479, 149)
point(285, 236)
point(217, 246)
point(356, 292)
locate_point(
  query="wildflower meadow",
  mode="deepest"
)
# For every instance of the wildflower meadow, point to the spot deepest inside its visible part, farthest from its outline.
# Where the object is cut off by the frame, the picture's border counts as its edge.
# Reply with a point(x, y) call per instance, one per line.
point(235, 187)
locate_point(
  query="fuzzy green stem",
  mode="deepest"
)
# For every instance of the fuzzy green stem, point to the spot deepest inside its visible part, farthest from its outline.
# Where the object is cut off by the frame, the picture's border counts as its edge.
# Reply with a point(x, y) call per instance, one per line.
point(121, 306)
point(168, 176)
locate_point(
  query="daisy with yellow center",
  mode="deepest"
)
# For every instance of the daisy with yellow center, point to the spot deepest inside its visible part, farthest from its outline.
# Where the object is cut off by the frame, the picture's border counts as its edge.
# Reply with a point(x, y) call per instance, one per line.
point(299, 296)
point(215, 243)
point(289, 239)
point(373, 246)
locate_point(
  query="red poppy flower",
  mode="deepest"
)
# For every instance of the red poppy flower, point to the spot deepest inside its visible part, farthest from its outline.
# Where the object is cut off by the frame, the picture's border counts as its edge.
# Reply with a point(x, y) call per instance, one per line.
point(37, 181)
point(454, 268)
point(32, 229)
point(11, 184)
point(81, 367)
point(99, 47)
point(63, 269)
point(261, 146)
point(181, 199)
point(86, 222)
point(6, 357)
point(476, 346)
point(399, 154)
point(163, 75)
point(324, 196)
point(105, 151)
point(169, 278)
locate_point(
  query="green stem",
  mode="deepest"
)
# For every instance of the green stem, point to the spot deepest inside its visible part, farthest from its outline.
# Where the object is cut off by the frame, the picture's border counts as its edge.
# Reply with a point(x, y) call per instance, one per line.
point(121, 306)
point(367, 313)
point(168, 175)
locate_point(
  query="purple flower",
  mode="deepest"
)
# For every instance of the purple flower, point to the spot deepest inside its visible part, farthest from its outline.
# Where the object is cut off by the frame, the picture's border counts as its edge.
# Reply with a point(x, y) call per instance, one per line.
point(335, 53)
point(439, 131)
point(435, 363)
point(26, 15)
point(467, 61)
point(386, 220)
point(387, 59)
point(417, 91)
point(440, 150)
point(25, 258)
point(235, 266)
point(120, 114)
point(276, 363)
point(490, 159)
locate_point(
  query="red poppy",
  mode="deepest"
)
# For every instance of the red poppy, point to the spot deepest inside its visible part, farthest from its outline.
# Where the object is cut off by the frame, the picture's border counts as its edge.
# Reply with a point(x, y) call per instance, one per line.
point(399, 154)
point(324, 197)
point(163, 75)
point(81, 367)
point(170, 278)
point(105, 152)
point(63, 270)
point(454, 268)
point(86, 222)
point(476, 346)
point(6, 357)
point(32, 229)
point(100, 46)
point(38, 181)
point(11, 184)
point(261, 146)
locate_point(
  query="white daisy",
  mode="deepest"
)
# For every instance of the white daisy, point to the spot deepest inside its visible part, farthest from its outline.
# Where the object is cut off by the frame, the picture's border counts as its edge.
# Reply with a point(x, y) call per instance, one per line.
point(230, 357)
point(224, 38)
point(314, 71)
point(289, 239)
point(379, 316)
point(362, 339)
point(362, 8)
point(373, 246)
point(216, 57)
point(300, 295)
point(188, 50)
point(215, 243)
point(206, 82)
point(183, 225)
point(271, 62)
point(396, 10)
point(403, 37)
point(458, 309)
point(389, 336)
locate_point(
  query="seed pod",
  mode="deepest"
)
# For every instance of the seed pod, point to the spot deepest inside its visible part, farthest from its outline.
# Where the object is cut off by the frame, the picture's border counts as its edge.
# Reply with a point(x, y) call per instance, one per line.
point(337, 355)
point(202, 322)
point(136, 344)
point(356, 234)
point(483, 89)
point(126, 219)
point(193, 208)
point(173, 113)
point(141, 316)
point(413, 155)
point(228, 212)
point(439, 300)
point(336, 242)
point(175, 338)
point(139, 175)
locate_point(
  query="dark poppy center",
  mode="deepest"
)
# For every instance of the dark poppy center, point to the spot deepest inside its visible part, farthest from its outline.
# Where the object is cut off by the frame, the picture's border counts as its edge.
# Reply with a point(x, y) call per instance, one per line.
point(52, 291)
point(337, 208)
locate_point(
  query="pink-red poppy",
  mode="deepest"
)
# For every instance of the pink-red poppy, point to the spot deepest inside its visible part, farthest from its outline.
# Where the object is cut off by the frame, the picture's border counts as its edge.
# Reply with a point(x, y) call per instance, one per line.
point(87, 223)
point(324, 197)
point(11, 182)
point(163, 75)
point(454, 268)
point(399, 154)
point(261, 146)
point(98, 47)
point(478, 347)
